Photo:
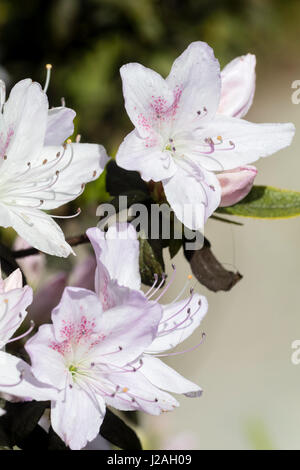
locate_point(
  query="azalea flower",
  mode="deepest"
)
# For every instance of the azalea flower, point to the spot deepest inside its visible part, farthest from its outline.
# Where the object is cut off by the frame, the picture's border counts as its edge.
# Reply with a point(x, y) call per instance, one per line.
point(117, 273)
point(180, 137)
point(38, 171)
point(100, 348)
point(16, 378)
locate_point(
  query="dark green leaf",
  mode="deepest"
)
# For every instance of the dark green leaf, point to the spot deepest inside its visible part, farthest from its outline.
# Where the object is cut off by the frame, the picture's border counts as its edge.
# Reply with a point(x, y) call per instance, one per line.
point(55, 442)
point(119, 433)
point(120, 181)
point(20, 420)
point(174, 246)
point(151, 260)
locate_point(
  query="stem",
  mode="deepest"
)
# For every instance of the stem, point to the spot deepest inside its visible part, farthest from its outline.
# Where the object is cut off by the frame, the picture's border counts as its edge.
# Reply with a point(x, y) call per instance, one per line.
point(73, 241)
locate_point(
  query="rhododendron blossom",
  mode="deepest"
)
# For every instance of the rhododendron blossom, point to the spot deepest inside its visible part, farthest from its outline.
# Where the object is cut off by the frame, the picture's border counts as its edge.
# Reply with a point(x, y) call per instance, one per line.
point(16, 377)
point(180, 137)
point(117, 274)
point(39, 171)
point(104, 347)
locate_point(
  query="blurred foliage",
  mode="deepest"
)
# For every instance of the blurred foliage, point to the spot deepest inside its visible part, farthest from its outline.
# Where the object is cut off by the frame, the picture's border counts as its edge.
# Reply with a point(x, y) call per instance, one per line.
point(88, 40)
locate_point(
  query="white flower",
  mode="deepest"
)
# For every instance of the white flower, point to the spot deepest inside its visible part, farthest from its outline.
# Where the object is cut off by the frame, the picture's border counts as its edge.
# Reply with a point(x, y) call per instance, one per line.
point(181, 139)
point(38, 171)
point(101, 347)
point(15, 374)
point(117, 274)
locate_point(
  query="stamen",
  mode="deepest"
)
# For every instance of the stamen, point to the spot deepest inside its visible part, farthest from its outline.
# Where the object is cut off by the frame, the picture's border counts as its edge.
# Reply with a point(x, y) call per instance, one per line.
point(32, 325)
point(153, 285)
point(179, 311)
point(190, 277)
point(169, 283)
point(163, 278)
point(48, 76)
point(182, 352)
point(66, 216)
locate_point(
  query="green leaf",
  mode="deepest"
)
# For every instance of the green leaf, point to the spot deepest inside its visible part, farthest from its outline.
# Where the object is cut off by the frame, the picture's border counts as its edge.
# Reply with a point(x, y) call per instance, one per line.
point(266, 202)
point(151, 260)
point(119, 433)
point(20, 421)
point(174, 246)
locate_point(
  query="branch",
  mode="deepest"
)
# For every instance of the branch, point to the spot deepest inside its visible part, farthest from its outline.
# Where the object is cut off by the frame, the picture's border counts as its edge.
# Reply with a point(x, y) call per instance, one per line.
point(73, 241)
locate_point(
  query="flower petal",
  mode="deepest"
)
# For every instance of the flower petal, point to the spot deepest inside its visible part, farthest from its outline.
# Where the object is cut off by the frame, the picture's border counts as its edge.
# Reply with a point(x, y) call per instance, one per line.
point(243, 142)
point(59, 125)
point(76, 418)
point(80, 164)
point(76, 305)
point(40, 231)
point(27, 105)
point(17, 379)
point(196, 76)
point(193, 193)
point(13, 306)
point(118, 251)
point(128, 329)
point(48, 364)
point(166, 378)
point(145, 156)
point(238, 86)
point(136, 392)
point(13, 281)
point(179, 321)
point(147, 97)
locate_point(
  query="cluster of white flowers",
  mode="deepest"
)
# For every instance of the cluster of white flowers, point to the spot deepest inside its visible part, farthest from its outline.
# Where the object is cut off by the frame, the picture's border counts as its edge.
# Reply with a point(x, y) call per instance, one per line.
point(103, 345)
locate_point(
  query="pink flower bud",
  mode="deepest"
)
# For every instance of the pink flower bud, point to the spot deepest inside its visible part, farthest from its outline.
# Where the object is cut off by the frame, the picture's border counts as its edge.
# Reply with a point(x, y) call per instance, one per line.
point(236, 184)
point(238, 86)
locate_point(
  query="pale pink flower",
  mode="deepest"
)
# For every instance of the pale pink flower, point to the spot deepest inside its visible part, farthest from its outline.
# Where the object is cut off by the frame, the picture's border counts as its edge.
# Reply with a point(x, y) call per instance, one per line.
point(236, 184)
point(88, 355)
point(16, 378)
point(38, 171)
point(103, 348)
point(181, 139)
point(117, 255)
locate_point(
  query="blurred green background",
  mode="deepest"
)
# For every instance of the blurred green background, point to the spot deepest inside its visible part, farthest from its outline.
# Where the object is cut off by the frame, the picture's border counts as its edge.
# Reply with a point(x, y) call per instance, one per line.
point(88, 40)
point(251, 390)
